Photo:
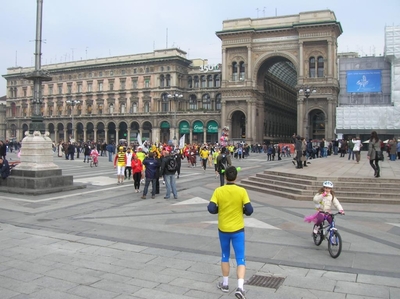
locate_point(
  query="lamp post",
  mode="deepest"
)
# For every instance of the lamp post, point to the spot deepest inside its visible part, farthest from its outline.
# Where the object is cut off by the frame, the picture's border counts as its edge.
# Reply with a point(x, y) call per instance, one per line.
point(307, 91)
point(72, 103)
point(175, 96)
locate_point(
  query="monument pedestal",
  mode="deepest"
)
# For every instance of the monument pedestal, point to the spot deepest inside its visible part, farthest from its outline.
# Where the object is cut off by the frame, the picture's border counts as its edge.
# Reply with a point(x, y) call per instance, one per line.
point(37, 174)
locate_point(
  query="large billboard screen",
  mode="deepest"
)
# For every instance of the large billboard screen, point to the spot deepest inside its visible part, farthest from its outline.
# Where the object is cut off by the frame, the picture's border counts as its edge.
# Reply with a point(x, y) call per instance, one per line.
point(364, 81)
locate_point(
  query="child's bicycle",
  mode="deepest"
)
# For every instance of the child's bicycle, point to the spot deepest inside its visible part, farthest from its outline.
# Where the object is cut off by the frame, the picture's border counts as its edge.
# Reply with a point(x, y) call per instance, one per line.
point(330, 233)
point(93, 161)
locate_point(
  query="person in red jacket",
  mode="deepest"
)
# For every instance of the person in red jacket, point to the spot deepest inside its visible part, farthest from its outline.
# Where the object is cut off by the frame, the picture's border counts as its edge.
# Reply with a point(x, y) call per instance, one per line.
point(137, 169)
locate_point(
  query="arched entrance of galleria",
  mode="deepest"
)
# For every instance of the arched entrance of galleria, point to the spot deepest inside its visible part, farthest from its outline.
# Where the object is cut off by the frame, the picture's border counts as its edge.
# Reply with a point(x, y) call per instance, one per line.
point(266, 62)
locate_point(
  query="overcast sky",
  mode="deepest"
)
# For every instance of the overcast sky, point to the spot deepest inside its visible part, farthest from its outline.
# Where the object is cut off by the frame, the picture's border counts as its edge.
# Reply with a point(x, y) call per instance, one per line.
point(80, 29)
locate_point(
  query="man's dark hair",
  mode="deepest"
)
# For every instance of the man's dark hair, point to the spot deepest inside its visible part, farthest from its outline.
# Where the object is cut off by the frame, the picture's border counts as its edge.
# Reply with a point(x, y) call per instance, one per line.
point(231, 173)
point(223, 150)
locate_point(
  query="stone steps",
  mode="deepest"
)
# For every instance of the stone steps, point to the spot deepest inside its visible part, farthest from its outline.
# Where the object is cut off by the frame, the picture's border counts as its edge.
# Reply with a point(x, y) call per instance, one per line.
point(303, 187)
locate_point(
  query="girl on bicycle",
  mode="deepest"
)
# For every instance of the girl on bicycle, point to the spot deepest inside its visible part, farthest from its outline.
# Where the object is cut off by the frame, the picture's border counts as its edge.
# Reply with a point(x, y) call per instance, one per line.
point(94, 154)
point(324, 200)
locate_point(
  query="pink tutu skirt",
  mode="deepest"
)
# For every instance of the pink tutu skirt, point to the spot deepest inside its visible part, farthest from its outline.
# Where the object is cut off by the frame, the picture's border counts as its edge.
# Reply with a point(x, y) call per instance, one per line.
point(311, 218)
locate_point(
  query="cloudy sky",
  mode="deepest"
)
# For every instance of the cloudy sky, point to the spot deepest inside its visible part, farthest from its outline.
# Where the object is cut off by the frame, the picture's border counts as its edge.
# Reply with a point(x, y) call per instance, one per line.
point(80, 29)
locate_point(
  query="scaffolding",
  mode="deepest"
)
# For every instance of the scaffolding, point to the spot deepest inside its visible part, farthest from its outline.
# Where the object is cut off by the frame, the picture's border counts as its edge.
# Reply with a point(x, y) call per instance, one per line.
point(377, 117)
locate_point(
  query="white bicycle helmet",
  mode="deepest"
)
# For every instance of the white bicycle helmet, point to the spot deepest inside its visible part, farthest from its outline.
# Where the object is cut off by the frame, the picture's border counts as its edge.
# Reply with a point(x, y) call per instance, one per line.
point(328, 184)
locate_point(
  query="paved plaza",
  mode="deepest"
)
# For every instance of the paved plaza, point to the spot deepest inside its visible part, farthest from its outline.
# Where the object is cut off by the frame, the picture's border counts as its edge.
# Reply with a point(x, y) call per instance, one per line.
point(106, 242)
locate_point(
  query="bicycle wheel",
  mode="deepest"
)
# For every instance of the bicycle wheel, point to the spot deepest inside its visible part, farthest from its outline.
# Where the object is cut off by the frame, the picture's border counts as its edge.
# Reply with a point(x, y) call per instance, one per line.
point(317, 237)
point(91, 163)
point(335, 244)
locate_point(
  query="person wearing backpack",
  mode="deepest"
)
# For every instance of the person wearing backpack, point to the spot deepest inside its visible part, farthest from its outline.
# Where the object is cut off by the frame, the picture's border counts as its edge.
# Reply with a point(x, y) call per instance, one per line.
point(223, 162)
point(169, 166)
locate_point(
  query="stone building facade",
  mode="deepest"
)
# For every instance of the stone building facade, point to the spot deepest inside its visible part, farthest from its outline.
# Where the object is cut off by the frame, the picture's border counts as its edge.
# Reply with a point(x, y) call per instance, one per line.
point(162, 95)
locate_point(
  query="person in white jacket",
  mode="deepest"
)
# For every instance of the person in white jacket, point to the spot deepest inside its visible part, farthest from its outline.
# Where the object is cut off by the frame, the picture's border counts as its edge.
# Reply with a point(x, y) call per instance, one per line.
point(357, 148)
point(324, 200)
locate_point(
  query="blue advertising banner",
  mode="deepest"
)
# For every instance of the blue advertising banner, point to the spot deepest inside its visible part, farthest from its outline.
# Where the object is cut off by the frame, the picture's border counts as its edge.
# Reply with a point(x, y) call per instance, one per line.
point(364, 81)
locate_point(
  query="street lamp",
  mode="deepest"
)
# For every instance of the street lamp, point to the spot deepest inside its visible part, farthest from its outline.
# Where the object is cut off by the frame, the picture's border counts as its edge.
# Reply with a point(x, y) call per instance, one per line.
point(175, 96)
point(72, 103)
point(307, 91)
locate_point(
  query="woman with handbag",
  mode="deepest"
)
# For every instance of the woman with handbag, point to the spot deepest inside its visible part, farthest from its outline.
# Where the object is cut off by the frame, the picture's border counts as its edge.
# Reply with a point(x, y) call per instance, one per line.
point(374, 153)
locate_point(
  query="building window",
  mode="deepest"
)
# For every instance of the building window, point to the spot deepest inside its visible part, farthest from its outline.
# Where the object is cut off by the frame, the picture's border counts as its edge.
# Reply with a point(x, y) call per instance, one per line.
point(100, 74)
point(203, 81)
point(234, 71)
point(134, 108)
point(192, 102)
point(206, 102)
point(147, 107)
point(209, 81)
point(134, 71)
point(111, 73)
point(59, 89)
point(217, 81)
point(164, 102)
point(111, 85)
point(122, 72)
point(134, 84)
point(311, 62)
point(24, 92)
point(111, 108)
point(196, 81)
point(190, 82)
point(90, 87)
point(79, 87)
point(90, 75)
point(242, 71)
point(320, 66)
point(50, 90)
point(122, 84)
point(100, 87)
point(69, 88)
point(162, 81)
point(161, 68)
point(123, 108)
point(168, 80)
point(218, 105)
point(147, 83)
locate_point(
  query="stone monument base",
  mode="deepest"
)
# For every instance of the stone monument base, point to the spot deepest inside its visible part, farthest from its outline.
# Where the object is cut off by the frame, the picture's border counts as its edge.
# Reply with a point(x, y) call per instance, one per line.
point(38, 182)
point(37, 174)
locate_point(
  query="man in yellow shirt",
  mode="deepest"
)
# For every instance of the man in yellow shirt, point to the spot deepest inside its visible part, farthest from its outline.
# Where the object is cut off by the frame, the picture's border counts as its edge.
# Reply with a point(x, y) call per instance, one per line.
point(230, 202)
point(204, 153)
point(120, 163)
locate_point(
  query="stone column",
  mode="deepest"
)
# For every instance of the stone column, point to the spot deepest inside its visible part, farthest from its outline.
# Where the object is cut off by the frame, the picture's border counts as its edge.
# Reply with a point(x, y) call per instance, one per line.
point(85, 135)
point(128, 136)
point(190, 135)
point(301, 60)
point(300, 116)
point(224, 65)
point(106, 135)
point(329, 122)
point(66, 137)
point(223, 113)
point(330, 59)
point(249, 70)
point(95, 135)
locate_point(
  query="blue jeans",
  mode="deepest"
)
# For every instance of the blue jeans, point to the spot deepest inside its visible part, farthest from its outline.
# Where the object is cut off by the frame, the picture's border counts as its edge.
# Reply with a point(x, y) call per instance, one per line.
point(153, 187)
point(351, 153)
point(110, 156)
point(170, 183)
point(392, 157)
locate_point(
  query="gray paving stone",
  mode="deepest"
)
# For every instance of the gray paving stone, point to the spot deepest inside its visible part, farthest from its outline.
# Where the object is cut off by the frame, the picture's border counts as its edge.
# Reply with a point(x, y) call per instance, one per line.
point(115, 277)
point(117, 287)
point(51, 294)
point(394, 292)
point(143, 283)
point(97, 242)
point(129, 247)
point(27, 266)
point(18, 286)
point(379, 280)
point(155, 294)
point(72, 277)
point(97, 266)
point(22, 275)
point(54, 283)
point(314, 284)
point(190, 275)
point(92, 293)
point(362, 289)
point(6, 294)
point(171, 263)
